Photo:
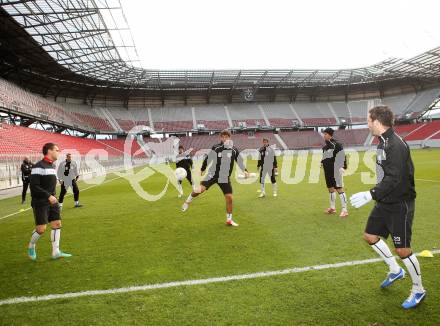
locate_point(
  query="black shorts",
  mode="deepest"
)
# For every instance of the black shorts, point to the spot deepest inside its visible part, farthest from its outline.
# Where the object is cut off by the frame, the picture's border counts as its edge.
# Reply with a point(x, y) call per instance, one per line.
point(45, 214)
point(225, 187)
point(331, 180)
point(395, 219)
point(270, 174)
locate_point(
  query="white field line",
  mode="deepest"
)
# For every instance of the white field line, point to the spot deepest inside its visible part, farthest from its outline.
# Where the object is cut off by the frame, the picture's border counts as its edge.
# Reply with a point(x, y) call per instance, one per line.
point(67, 195)
point(222, 279)
point(428, 180)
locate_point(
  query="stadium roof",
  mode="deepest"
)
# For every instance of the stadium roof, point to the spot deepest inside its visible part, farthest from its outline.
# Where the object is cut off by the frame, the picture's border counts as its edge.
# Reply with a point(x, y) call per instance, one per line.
point(89, 43)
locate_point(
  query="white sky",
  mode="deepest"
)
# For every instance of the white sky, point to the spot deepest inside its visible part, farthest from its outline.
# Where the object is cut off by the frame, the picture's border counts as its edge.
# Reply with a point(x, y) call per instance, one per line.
point(278, 34)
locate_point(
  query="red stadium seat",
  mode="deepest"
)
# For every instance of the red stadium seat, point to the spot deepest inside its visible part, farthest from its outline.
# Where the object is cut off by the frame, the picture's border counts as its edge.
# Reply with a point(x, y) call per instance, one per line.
point(23, 141)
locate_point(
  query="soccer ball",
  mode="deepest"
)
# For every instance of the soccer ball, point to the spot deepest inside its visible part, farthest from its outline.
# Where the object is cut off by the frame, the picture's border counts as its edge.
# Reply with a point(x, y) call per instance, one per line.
point(180, 174)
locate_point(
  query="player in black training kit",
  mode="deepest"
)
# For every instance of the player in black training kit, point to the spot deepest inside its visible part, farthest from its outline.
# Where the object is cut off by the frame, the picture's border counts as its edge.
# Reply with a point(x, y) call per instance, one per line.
point(395, 198)
point(184, 161)
point(26, 168)
point(45, 206)
point(334, 164)
point(267, 163)
point(220, 160)
point(68, 176)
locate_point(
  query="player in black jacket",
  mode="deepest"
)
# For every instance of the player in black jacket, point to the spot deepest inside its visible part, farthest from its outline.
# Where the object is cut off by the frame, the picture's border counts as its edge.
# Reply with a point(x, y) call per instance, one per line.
point(220, 161)
point(26, 168)
point(395, 198)
point(267, 163)
point(45, 206)
point(334, 164)
point(68, 176)
point(184, 161)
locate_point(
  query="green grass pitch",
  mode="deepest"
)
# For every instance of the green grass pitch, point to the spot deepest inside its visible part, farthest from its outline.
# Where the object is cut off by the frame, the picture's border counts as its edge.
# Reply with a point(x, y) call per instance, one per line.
point(120, 240)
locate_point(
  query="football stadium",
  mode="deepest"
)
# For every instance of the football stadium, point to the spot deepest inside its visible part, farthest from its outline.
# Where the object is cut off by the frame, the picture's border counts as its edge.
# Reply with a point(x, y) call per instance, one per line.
point(325, 182)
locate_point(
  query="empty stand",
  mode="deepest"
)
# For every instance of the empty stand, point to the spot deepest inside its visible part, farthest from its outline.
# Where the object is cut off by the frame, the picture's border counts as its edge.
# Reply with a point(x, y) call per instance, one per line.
point(172, 118)
point(424, 132)
point(399, 103)
point(243, 141)
point(341, 110)
point(173, 126)
point(198, 142)
point(248, 123)
point(358, 111)
point(302, 139)
point(93, 122)
point(423, 100)
point(415, 131)
point(213, 117)
point(17, 140)
point(17, 99)
point(314, 114)
point(22, 140)
point(405, 130)
point(279, 114)
point(352, 137)
point(249, 114)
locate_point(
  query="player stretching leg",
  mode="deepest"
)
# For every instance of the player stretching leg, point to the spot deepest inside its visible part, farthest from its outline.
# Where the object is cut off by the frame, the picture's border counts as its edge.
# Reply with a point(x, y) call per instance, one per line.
point(45, 206)
point(268, 167)
point(394, 210)
point(334, 164)
point(221, 162)
point(184, 161)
